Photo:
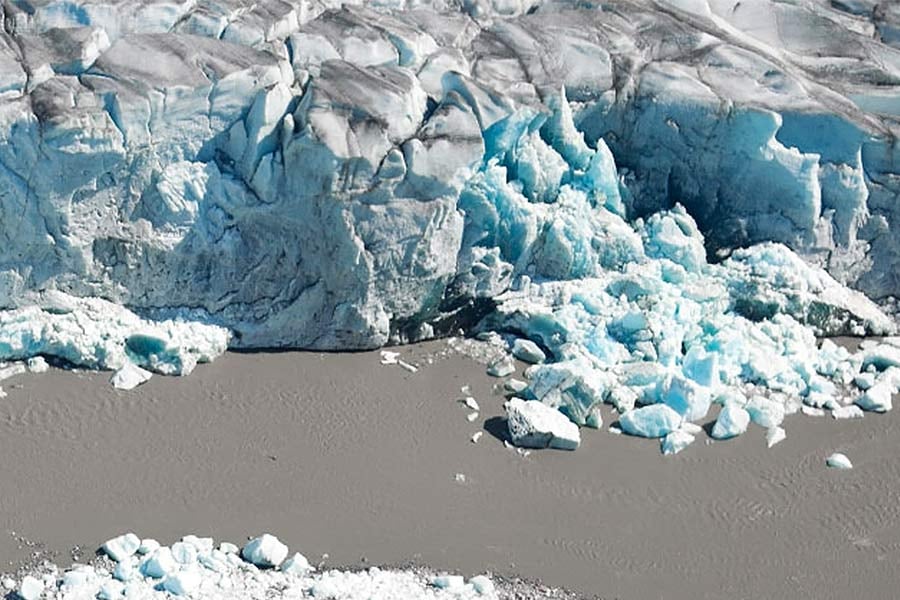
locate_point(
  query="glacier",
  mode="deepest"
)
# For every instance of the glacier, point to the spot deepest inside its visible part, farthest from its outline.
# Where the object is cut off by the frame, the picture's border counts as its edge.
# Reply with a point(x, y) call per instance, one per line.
point(663, 201)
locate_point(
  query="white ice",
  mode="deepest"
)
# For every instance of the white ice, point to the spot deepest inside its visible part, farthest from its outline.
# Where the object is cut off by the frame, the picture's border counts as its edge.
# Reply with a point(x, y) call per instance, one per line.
point(839, 461)
point(533, 424)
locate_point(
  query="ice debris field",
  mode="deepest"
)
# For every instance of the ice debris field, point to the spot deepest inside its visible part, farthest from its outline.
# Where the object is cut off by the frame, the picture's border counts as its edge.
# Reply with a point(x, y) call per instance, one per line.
point(660, 203)
point(263, 569)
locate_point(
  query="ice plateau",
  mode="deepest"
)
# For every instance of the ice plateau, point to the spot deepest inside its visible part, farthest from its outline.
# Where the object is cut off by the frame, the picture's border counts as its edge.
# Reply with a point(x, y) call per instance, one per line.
point(663, 201)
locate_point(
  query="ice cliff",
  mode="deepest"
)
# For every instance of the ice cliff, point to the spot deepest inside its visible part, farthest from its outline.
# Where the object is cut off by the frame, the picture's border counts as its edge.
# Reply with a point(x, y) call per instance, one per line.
point(637, 183)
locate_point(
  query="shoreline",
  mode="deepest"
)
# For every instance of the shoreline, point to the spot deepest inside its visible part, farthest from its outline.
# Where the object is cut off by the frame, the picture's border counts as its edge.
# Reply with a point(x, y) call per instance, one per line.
point(365, 463)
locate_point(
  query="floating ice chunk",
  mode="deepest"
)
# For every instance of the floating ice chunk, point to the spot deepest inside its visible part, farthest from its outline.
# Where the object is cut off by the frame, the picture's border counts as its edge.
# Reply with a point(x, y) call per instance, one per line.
point(820, 385)
point(838, 461)
point(847, 412)
point(594, 419)
point(122, 547)
point(297, 565)
point(516, 386)
point(676, 441)
point(732, 421)
point(688, 398)
point(159, 564)
point(471, 402)
point(129, 377)
point(882, 356)
point(701, 366)
point(482, 584)
point(573, 386)
point(877, 398)
point(471, 417)
point(654, 421)
point(216, 561)
point(203, 545)
point(765, 412)
point(812, 411)
point(31, 588)
point(125, 569)
point(691, 428)
point(228, 548)
point(78, 576)
point(234, 560)
point(389, 358)
point(864, 380)
point(12, 370)
point(774, 436)
point(820, 400)
point(830, 357)
point(629, 324)
point(265, 551)
point(623, 398)
point(147, 546)
point(476, 436)
point(460, 478)
point(448, 582)
point(528, 351)
point(533, 424)
point(183, 553)
point(502, 367)
point(111, 590)
point(408, 366)
point(183, 583)
point(38, 364)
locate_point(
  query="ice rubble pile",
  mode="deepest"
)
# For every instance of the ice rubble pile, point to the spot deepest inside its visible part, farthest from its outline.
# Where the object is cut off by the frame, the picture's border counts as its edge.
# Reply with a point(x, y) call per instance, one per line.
point(98, 333)
point(667, 336)
point(194, 567)
point(314, 175)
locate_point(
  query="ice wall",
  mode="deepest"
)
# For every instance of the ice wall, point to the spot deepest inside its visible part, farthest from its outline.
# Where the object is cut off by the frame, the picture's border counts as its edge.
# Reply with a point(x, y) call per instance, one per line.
point(316, 176)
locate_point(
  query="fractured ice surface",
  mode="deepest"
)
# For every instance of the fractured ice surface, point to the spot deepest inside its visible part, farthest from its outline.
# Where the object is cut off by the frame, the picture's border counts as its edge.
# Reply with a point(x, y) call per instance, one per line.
point(221, 574)
point(97, 333)
point(662, 200)
point(324, 176)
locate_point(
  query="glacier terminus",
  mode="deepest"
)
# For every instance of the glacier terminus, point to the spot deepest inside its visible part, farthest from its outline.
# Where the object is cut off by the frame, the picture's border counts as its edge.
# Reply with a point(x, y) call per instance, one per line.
point(660, 203)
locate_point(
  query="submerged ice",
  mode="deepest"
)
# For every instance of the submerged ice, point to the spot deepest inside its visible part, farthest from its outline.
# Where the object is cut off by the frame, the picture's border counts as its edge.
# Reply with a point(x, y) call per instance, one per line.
point(663, 203)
